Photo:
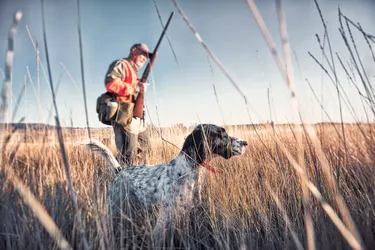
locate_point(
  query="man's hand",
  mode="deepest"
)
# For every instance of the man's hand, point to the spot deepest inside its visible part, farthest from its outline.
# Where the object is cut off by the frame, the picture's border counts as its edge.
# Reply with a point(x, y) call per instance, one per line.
point(141, 87)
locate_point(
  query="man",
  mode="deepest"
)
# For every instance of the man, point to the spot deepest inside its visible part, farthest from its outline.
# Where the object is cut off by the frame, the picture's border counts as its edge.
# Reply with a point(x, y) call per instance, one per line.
point(122, 80)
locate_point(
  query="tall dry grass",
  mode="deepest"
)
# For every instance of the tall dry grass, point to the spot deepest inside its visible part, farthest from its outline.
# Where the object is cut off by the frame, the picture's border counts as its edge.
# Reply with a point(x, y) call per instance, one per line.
point(54, 194)
point(239, 207)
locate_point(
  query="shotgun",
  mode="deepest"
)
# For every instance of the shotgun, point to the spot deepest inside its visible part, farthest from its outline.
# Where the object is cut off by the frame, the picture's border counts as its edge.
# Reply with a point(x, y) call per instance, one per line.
point(139, 102)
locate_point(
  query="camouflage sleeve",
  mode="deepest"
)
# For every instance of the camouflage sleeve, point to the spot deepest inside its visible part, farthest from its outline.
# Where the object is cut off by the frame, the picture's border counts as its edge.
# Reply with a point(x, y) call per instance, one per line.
point(115, 80)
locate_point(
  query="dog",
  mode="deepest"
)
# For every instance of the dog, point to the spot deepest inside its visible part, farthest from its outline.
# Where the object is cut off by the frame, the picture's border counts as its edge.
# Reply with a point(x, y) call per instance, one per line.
point(174, 184)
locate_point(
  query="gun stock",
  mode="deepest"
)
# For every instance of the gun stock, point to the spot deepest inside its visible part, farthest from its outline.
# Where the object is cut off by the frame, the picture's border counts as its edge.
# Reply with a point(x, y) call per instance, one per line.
point(139, 105)
point(139, 102)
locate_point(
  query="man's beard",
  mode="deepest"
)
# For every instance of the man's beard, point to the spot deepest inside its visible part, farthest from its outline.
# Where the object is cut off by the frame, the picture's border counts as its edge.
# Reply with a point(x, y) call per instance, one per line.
point(138, 65)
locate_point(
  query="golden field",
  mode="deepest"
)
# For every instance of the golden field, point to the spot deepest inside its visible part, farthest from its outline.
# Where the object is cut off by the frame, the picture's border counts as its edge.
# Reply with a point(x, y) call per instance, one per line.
point(257, 202)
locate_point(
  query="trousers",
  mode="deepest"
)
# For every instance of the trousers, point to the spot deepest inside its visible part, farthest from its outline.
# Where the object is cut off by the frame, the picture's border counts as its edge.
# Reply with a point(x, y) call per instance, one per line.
point(131, 148)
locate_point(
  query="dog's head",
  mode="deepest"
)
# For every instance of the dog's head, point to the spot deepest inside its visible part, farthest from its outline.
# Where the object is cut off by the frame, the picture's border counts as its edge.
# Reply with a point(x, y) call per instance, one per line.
point(217, 141)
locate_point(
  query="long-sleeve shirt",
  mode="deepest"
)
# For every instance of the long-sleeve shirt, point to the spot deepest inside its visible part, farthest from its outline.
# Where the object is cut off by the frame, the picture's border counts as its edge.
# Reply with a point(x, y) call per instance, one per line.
point(121, 79)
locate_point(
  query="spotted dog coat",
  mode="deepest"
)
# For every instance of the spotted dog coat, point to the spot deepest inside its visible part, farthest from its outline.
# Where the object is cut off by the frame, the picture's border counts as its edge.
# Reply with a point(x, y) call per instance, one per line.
point(173, 184)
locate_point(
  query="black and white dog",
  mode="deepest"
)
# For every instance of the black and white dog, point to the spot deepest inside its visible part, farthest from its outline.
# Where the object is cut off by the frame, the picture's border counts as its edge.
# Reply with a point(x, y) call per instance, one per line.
point(173, 184)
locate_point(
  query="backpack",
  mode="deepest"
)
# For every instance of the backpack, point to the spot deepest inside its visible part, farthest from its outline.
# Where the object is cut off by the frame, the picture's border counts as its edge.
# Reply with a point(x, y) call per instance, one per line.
point(106, 108)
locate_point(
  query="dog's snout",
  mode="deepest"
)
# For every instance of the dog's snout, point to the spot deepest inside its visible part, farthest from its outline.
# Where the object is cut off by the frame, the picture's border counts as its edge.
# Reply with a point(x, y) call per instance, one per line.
point(239, 141)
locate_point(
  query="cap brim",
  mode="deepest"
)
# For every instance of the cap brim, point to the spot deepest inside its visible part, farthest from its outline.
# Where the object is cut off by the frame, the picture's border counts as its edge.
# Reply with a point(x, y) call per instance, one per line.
point(149, 53)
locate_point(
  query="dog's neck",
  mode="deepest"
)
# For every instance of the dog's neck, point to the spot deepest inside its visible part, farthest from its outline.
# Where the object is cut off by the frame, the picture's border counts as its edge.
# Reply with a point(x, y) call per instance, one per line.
point(194, 148)
point(195, 152)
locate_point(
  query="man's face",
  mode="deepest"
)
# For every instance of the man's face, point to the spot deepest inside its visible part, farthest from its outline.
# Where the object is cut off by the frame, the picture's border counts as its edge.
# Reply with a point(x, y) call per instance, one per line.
point(139, 57)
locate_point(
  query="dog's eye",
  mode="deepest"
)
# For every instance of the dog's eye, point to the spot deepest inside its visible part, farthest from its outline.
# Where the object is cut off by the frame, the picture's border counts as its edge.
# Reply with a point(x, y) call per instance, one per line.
point(224, 137)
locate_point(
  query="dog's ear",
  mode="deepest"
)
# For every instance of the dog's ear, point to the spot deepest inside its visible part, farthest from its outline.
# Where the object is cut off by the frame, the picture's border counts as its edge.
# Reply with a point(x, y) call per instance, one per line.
point(194, 145)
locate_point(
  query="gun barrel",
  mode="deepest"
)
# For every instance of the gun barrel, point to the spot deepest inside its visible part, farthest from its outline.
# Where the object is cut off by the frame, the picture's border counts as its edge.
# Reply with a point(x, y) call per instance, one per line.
point(151, 61)
point(139, 102)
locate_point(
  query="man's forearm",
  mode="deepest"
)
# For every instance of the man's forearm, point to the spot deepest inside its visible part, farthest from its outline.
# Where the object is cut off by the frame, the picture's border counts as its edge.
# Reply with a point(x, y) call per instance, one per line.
point(119, 87)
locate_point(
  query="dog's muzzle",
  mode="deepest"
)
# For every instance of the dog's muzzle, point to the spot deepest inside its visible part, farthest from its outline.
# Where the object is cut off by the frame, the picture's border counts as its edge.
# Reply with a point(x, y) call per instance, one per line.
point(238, 146)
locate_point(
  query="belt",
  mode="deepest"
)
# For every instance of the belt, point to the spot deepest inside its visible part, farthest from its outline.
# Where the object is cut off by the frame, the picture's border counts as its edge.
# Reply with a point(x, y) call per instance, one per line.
point(129, 98)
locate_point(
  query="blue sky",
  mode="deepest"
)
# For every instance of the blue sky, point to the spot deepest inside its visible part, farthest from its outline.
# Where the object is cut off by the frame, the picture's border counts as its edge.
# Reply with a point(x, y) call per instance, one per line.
point(183, 92)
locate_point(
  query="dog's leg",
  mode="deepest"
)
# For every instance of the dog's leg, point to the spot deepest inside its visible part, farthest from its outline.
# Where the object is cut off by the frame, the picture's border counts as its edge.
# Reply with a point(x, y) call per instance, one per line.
point(164, 222)
point(198, 190)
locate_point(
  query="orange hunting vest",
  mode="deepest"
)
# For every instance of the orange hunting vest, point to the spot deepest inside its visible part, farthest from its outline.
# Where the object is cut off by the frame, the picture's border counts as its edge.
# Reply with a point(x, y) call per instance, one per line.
point(129, 81)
